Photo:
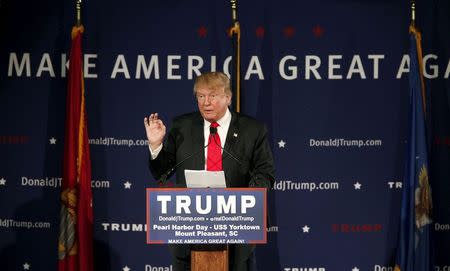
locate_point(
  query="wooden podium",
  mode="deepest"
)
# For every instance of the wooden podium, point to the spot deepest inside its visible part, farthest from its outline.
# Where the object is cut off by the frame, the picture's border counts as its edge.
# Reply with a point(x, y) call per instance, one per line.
point(209, 258)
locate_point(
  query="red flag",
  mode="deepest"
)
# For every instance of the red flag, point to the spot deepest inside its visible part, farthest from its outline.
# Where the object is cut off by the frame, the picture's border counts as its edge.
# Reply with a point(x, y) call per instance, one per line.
point(75, 251)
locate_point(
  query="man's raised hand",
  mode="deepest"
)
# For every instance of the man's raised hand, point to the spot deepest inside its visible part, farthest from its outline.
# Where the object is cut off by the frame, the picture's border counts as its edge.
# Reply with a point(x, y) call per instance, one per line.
point(155, 130)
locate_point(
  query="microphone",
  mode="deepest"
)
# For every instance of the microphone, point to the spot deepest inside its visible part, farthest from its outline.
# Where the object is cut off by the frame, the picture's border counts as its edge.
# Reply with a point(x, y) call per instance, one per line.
point(165, 176)
point(213, 130)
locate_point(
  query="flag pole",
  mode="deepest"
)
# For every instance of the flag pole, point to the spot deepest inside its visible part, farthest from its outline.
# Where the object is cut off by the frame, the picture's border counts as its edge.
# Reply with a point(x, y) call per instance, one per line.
point(235, 34)
point(418, 35)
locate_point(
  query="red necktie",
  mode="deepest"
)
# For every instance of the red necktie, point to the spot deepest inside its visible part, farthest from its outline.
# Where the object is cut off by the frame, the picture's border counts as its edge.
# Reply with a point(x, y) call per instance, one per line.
point(214, 156)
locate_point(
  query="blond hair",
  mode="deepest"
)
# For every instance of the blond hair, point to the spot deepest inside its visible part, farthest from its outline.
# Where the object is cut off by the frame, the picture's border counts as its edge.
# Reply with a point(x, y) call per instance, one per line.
point(213, 80)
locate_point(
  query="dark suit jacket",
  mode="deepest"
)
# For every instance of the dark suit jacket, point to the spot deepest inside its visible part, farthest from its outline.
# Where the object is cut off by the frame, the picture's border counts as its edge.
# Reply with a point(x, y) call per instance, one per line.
point(246, 141)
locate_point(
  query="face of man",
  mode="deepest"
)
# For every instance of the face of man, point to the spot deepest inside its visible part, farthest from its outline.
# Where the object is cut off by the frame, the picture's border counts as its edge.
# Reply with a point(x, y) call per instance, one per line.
point(212, 103)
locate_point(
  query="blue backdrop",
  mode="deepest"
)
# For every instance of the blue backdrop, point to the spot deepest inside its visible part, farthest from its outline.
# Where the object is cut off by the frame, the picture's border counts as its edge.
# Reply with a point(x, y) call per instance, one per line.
point(329, 78)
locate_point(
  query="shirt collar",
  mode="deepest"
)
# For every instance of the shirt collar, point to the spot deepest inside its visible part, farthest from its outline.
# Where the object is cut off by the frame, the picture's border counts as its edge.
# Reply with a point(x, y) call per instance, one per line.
point(222, 121)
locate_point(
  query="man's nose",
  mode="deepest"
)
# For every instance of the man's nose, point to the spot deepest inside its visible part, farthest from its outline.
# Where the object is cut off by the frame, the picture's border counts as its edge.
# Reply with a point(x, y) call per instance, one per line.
point(207, 99)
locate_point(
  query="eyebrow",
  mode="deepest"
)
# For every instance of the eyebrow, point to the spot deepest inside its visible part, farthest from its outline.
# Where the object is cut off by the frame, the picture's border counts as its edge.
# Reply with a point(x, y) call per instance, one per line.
point(212, 93)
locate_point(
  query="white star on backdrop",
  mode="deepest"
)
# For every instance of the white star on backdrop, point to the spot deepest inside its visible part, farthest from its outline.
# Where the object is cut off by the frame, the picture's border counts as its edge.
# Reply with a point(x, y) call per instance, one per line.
point(26, 266)
point(357, 186)
point(52, 141)
point(306, 228)
point(127, 185)
point(281, 143)
point(355, 269)
point(126, 268)
point(2, 181)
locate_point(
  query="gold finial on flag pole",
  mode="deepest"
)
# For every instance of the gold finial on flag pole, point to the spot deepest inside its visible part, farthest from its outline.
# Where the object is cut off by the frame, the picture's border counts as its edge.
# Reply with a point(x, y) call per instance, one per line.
point(413, 13)
point(234, 10)
point(78, 7)
point(235, 32)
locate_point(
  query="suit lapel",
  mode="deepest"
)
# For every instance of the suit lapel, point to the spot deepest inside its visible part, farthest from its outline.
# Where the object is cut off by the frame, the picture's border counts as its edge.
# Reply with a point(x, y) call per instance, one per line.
point(228, 162)
point(198, 141)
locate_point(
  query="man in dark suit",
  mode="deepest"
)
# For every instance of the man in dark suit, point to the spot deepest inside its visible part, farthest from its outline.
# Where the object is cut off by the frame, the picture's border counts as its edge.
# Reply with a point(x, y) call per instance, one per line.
point(239, 148)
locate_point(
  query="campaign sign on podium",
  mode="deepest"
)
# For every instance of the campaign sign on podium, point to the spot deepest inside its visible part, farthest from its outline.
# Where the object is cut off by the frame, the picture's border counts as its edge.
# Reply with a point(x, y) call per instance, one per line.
point(206, 216)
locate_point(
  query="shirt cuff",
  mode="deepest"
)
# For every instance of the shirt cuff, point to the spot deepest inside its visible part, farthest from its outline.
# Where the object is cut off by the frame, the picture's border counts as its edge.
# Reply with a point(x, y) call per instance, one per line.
point(154, 153)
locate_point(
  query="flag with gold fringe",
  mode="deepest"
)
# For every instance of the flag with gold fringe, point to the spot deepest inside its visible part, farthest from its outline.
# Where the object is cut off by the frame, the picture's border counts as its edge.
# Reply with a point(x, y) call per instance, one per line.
point(413, 250)
point(75, 252)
